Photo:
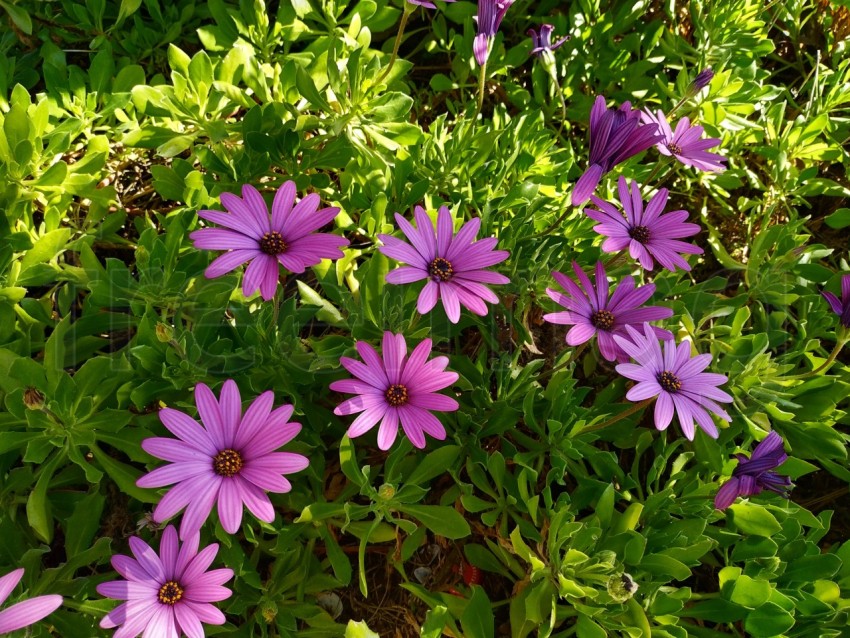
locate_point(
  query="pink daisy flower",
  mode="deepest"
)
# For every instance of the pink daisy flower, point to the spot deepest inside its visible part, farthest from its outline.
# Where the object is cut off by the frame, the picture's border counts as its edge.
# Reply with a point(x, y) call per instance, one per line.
point(591, 312)
point(24, 613)
point(396, 388)
point(686, 143)
point(249, 234)
point(453, 264)
point(231, 459)
point(169, 593)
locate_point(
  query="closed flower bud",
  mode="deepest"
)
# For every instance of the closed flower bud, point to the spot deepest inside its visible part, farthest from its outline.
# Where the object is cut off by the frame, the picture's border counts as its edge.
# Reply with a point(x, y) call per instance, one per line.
point(621, 587)
point(33, 399)
point(164, 333)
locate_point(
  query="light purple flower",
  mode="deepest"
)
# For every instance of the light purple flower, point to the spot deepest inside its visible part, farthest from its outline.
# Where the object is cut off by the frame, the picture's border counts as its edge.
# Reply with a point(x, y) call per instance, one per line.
point(591, 312)
point(841, 307)
point(426, 3)
point(649, 235)
point(231, 459)
point(489, 18)
point(543, 41)
point(686, 144)
point(615, 136)
point(675, 378)
point(169, 593)
point(250, 234)
point(395, 388)
point(452, 264)
point(24, 613)
point(753, 475)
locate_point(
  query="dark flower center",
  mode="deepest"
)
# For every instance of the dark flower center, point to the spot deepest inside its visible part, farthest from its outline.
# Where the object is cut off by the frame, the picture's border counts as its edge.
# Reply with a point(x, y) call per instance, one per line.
point(272, 243)
point(227, 462)
point(170, 593)
point(639, 234)
point(674, 148)
point(396, 395)
point(440, 269)
point(602, 319)
point(669, 381)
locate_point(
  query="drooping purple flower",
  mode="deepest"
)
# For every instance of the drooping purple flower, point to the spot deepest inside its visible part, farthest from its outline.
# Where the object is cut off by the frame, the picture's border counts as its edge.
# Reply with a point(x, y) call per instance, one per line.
point(675, 378)
point(591, 312)
point(453, 265)
point(543, 41)
point(754, 474)
point(616, 134)
point(648, 234)
point(26, 612)
point(841, 307)
point(701, 81)
point(426, 3)
point(231, 459)
point(686, 144)
point(250, 234)
point(395, 388)
point(169, 593)
point(489, 18)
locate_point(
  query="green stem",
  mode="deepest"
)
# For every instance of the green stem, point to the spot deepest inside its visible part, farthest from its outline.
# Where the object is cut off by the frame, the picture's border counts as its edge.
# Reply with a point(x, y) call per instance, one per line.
point(408, 9)
point(826, 364)
point(636, 407)
point(482, 77)
point(278, 298)
point(553, 74)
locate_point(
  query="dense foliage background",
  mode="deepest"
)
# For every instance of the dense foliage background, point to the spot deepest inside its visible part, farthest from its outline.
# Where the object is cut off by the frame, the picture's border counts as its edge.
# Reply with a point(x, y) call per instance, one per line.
point(120, 120)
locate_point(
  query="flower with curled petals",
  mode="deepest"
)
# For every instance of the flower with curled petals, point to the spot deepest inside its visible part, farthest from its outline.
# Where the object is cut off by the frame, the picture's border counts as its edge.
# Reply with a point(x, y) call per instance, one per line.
point(453, 265)
point(489, 18)
point(396, 388)
point(841, 307)
point(24, 613)
point(686, 143)
point(168, 594)
point(231, 459)
point(285, 238)
point(755, 474)
point(676, 378)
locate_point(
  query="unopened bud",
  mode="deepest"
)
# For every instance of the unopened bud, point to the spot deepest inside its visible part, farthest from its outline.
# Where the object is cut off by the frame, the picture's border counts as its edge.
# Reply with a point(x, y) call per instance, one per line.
point(164, 333)
point(386, 492)
point(268, 610)
point(621, 587)
point(701, 81)
point(33, 399)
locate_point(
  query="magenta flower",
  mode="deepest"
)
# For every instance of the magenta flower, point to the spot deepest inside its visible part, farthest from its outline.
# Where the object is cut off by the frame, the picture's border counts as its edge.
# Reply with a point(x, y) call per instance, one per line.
point(453, 264)
point(591, 312)
point(675, 378)
point(841, 307)
point(168, 594)
point(615, 136)
point(650, 234)
point(543, 42)
point(753, 475)
point(286, 238)
point(231, 459)
point(396, 388)
point(24, 613)
point(686, 144)
point(489, 18)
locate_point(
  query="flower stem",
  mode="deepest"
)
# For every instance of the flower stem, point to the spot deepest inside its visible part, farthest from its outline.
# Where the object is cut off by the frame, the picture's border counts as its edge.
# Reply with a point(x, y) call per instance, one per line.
point(278, 298)
point(408, 9)
point(482, 78)
point(636, 407)
point(826, 364)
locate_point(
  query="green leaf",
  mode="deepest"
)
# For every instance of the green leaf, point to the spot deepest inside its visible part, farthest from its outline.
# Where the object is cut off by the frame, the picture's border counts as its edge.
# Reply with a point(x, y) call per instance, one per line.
point(359, 630)
point(434, 464)
point(19, 16)
point(124, 476)
point(749, 592)
point(665, 567)
point(477, 620)
point(754, 519)
point(440, 519)
point(83, 523)
point(46, 248)
point(768, 620)
point(38, 507)
point(587, 628)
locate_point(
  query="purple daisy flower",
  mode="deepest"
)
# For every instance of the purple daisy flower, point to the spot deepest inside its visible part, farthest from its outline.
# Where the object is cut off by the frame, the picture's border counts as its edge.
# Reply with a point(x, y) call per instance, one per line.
point(426, 3)
point(686, 144)
point(675, 378)
point(396, 388)
point(615, 136)
point(753, 475)
point(168, 593)
point(841, 307)
point(489, 18)
point(650, 234)
point(231, 459)
point(591, 312)
point(24, 613)
point(286, 238)
point(543, 42)
point(453, 264)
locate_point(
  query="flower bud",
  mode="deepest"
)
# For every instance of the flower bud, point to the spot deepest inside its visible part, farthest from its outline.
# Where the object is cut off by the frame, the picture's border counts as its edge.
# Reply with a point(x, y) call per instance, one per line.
point(33, 399)
point(164, 333)
point(621, 587)
point(701, 81)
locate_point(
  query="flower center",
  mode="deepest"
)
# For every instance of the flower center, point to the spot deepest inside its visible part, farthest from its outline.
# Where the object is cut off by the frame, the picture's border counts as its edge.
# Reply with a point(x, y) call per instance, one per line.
point(674, 148)
point(669, 381)
point(602, 319)
point(227, 462)
point(170, 593)
point(396, 395)
point(272, 243)
point(440, 269)
point(639, 234)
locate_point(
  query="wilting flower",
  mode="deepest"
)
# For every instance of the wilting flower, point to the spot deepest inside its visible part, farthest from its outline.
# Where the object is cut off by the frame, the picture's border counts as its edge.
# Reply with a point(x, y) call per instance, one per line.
point(701, 81)
point(286, 238)
point(647, 234)
point(753, 475)
point(841, 307)
point(490, 15)
point(543, 41)
point(675, 378)
point(426, 3)
point(591, 312)
point(452, 264)
point(168, 593)
point(24, 613)
point(396, 388)
point(231, 459)
point(615, 136)
point(686, 144)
